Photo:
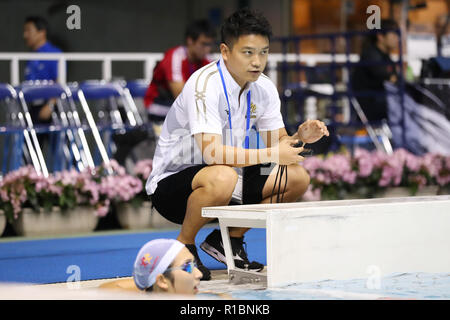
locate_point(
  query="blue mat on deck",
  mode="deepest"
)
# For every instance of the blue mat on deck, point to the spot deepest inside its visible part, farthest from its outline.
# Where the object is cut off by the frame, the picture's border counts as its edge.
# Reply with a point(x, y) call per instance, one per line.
point(97, 256)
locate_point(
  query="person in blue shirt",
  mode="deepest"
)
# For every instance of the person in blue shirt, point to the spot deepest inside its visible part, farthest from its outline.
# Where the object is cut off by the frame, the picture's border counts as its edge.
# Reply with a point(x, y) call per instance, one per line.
point(35, 35)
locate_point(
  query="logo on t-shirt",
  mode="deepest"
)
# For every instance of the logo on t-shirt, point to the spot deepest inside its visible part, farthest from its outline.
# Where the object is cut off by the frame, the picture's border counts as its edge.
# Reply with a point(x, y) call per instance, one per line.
point(252, 111)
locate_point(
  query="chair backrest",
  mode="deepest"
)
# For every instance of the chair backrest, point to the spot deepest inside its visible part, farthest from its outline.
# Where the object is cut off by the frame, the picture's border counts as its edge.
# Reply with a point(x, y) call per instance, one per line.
point(68, 145)
point(20, 129)
point(93, 89)
point(36, 90)
point(9, 116)
point(138, 87)
point(7, 91)
point(117, 94)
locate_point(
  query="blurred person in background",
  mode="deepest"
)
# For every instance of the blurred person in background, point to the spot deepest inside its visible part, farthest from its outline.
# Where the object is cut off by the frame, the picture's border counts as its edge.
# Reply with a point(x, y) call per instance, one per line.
point(377, 49)
point(178, 64)
point(35, 32)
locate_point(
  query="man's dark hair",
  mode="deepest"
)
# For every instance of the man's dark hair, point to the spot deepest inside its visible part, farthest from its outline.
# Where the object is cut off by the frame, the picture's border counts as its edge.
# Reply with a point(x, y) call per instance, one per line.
point(39, 22)
point(198, 27)
point(244, 22)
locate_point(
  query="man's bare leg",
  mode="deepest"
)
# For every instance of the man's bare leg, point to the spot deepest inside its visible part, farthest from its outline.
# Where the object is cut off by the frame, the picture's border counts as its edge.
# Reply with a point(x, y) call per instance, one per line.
point(298, 182)
point(212, 186)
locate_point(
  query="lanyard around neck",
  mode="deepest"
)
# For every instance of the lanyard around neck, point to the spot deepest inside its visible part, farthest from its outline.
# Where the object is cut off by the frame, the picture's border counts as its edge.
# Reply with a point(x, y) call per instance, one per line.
point(229, 109)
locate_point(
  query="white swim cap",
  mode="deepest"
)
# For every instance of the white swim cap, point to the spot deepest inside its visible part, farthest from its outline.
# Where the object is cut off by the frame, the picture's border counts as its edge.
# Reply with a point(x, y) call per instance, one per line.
point(153, 259)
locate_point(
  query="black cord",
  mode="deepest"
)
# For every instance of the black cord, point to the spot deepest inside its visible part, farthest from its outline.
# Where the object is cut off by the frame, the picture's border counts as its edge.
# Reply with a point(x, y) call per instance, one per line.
point(282, 169)
point(279, 183)
point(275, 183)
point(285, 185)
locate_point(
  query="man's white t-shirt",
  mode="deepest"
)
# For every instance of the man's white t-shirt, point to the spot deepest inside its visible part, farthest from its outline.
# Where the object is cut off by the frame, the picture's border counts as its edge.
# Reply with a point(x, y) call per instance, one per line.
point(202, 107)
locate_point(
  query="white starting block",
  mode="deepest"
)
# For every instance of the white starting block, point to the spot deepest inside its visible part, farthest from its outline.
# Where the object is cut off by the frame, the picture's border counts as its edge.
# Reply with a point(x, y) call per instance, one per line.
point(344, 239)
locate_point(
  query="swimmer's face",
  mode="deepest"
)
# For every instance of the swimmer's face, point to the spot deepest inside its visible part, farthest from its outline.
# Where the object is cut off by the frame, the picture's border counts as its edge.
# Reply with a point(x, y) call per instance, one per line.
point(201, 47)
point(183, 281)
point(246, 58)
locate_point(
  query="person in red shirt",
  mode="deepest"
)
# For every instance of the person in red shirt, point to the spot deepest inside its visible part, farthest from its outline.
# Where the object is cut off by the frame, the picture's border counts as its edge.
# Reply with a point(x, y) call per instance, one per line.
point(178, 64)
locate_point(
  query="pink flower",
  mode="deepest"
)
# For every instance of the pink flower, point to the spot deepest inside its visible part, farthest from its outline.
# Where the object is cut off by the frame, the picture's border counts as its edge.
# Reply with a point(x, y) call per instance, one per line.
point(312, 164)
point(118, 169)
point(67, 178)
point(432, 163)
point(4, 194)
point(443, 180)
point(349, 177)
point(413, 163)
point(391, 174)
point(311, 194)
point(102, 209)
point(143, 168)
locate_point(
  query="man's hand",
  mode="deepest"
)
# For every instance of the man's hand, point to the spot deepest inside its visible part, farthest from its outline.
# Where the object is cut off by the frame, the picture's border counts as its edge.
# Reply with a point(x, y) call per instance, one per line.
point(286, 153)
point(311, 131)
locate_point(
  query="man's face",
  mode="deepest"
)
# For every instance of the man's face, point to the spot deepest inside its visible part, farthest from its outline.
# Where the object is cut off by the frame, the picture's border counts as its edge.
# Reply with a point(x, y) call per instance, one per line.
point(32, 35)
point(389, 41)
point(247, 58)
point(201, 47)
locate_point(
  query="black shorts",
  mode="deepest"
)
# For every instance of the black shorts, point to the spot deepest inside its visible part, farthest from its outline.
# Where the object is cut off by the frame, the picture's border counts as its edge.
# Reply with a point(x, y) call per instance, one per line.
point(171, 196)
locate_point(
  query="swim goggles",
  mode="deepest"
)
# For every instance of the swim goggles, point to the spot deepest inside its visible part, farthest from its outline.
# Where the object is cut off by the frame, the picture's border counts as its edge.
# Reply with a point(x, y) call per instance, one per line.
point(187, 267)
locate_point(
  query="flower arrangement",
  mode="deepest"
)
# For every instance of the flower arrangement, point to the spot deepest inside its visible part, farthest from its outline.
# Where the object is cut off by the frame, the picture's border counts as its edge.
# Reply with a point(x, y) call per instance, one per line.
point(118, 187)
point(332, 177)
point(24, 188)
point(366, 173)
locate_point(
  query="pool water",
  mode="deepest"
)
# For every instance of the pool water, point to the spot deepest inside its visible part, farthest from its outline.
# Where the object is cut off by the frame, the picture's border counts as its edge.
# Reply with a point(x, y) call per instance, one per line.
point(417, 285)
